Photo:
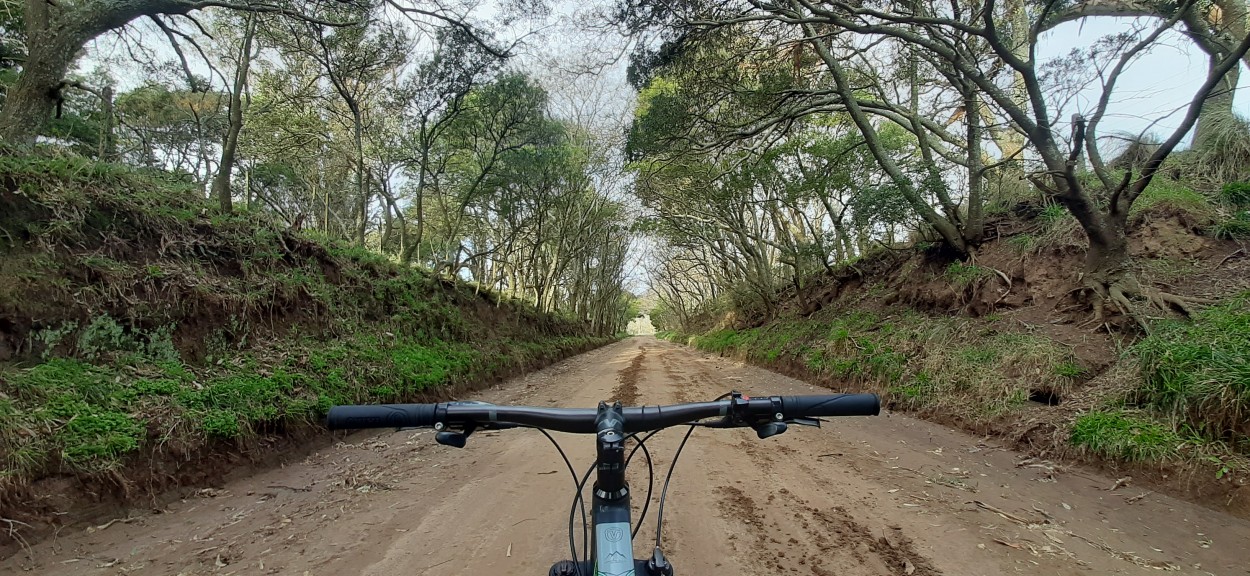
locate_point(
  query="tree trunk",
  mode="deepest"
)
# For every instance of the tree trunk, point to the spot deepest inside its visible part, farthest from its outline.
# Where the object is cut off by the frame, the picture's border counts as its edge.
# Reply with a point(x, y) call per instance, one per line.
point(221, 184)
point(1219, 104)
point(108, 139)
point(362, 185)
point(33, 98)
point(973, 226)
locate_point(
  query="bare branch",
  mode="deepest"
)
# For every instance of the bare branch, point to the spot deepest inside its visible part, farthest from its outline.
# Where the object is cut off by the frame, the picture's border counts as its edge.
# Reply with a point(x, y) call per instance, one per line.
point(1214, 76)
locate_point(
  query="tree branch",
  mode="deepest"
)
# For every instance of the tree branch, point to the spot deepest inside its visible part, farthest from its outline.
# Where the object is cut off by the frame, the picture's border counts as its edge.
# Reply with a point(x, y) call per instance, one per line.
point(1216, 74)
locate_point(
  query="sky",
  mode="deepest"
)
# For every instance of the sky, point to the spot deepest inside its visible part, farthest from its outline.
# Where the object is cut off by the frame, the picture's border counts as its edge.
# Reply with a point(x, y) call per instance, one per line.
point(1155, 87)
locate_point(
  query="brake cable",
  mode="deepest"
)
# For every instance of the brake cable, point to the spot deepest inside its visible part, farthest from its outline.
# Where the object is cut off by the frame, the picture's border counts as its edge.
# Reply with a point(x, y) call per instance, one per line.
point(659, 522)
point(646, 504)
point(572, 509)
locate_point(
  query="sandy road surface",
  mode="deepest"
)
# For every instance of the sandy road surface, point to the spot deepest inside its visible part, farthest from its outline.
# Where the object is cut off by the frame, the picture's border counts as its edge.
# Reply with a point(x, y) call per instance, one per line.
point(863, 496)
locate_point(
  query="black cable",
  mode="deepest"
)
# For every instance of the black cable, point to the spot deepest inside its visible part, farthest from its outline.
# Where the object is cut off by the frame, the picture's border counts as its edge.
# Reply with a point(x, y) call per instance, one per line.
point(572, 510)
point(576, 486)
point(642, 443)
point(566, 461)
point(659, 522)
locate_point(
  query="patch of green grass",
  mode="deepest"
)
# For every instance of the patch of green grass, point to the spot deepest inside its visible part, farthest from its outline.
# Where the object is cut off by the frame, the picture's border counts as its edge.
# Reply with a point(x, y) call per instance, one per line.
point(103, 263)
point(1199, 371)
point(1164, 192)
point(90, 417)
point(1236, 194)
point(977, 354)
point(917, 391)
point(961, 274)
point(1023, 243)
point(1054, 213)
point(1068, 369)
point(1124, 436)
point(1234, 227)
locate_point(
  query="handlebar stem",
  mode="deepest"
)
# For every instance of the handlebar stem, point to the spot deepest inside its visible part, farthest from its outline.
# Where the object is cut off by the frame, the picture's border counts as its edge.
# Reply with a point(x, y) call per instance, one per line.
point(609, 425)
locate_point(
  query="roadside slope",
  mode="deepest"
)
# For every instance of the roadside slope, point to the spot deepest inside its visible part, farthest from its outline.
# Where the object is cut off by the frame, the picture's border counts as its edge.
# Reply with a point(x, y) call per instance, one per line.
point(147, 343)
point(998, 345)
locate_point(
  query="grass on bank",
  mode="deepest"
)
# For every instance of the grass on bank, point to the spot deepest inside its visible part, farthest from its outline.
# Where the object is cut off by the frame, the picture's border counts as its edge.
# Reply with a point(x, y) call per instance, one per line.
point(1191, 398)
point(76, 415)
point(909, 358)
point(152, 323)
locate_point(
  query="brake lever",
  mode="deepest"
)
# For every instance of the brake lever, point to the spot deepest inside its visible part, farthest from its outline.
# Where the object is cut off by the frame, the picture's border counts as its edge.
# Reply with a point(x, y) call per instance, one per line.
point(456, 439)
point(770, 429)
point(806, 421)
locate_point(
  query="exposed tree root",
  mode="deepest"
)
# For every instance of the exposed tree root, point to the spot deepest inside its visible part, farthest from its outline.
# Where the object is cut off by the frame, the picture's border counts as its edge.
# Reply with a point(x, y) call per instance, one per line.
point(1127, 297)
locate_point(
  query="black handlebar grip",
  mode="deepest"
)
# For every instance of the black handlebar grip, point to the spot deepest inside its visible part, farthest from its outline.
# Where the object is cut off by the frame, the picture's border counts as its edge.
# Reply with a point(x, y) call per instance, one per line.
point(830, 405)
point(381, 416)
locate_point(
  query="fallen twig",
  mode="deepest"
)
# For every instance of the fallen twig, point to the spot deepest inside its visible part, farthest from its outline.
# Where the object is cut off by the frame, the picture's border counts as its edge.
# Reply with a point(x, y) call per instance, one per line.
point(1230, 256)
point(304, 489)
point(91, 529)
point(1004, 513)
point(1126, 556)
point(1008, 544)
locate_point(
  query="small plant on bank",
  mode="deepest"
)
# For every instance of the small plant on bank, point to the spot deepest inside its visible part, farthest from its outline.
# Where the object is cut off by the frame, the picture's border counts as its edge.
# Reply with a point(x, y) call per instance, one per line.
point(1125, 436)
point(961, 274)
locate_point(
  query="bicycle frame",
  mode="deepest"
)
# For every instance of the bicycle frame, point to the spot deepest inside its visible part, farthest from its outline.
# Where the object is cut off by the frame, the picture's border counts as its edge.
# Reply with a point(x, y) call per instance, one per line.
point(612, 548)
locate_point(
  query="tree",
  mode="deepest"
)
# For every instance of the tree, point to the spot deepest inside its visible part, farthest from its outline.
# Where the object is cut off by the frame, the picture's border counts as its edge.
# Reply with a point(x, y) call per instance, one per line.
point(971, 44)
point(174, 129)
point(354, 60)
point(431, 100)
point(229, 148)
point(778, 80)
point(1216, 28)
point(56, 32)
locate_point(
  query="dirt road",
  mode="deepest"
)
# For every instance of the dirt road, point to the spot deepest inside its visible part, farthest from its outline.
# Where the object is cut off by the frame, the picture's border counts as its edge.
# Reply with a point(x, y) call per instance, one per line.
point(862, 496)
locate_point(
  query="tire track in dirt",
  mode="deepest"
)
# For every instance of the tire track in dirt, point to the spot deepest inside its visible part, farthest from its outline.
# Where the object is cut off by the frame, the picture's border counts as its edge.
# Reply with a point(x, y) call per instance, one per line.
point(757, 525)
point(626, 391)
point(826, 532)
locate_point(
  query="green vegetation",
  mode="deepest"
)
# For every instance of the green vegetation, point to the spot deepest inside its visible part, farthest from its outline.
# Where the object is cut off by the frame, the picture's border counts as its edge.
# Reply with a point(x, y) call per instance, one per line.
point(1233, 227)
point(961, 274)
point(153, 325)
point(1125, 436)
point(86, 416)
point(908, 358)
point(1186, 395)
point(1198, 373)
point(1165, 193)
point(1236, 194)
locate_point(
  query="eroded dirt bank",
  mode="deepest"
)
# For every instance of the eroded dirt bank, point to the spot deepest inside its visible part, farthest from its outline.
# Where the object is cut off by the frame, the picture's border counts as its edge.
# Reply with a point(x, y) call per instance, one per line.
point(865, 496)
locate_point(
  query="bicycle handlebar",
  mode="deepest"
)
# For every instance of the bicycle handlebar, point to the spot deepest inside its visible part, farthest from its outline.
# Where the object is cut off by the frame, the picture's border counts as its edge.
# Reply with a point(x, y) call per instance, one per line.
point(741, 411)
